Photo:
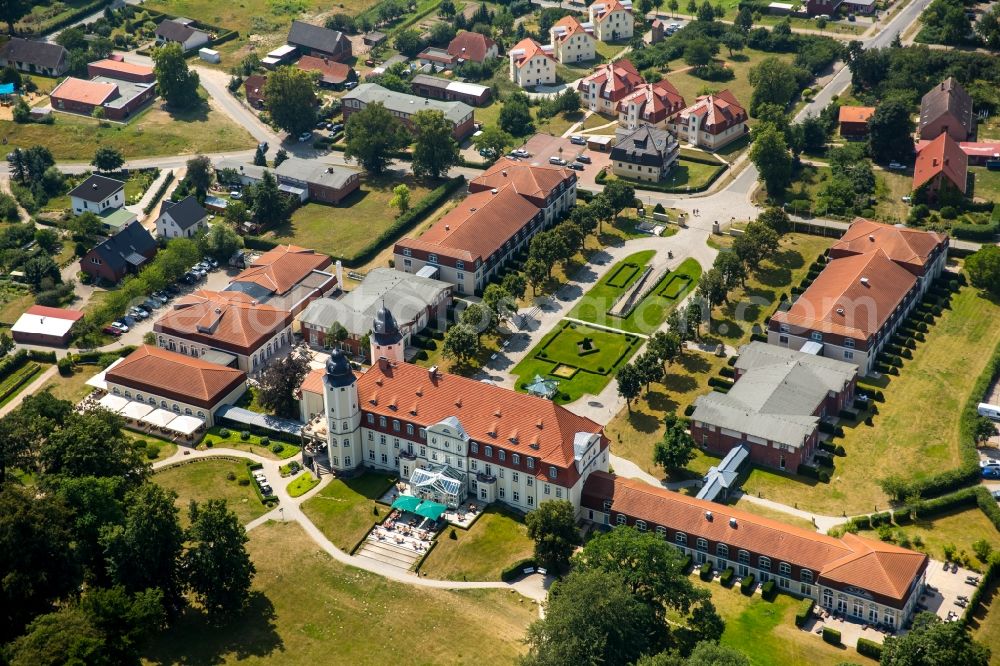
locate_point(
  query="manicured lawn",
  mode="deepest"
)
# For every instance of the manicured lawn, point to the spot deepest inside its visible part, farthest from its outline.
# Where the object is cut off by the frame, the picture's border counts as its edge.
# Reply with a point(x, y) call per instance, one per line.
point(560, 349)
point(309, 609)
point(916, 431)
point(165, 448)
point(987, 183)
point(986, 622)
point(609, 50)
point(14, 300)
point(767, 512)
point(302, 484)
point(252, 444)
point(733, 322)
point(598, 120)
point(495, 541)
point(685, 173)
point(345, 509)
point(891, 187)
point(765, 631)
point(957, 528)
point(557, 124)
point(633, 433)
point(345, 229)
point(594, 305)
point(668, 292)
point(73, 388)
point(152, 132)
point(209, 479)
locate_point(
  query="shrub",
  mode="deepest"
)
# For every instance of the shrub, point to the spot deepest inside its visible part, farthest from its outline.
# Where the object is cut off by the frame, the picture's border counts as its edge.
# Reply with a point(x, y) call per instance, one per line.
point(65, 366)
point(209, 443)
point(727, 372)
point(689, 410)
point(824, 476)
point(840, 451)
point(244, 481)
point(831, 636)
point(705, 571)
point(769, 590)
point(231, 476)
point(805, 608)
point(869, 648)
point(152, 450)
point(265, 441)
point(224, 434)
point(245, 435)
point(277, 448)
point(746, 585)
point(727, 577)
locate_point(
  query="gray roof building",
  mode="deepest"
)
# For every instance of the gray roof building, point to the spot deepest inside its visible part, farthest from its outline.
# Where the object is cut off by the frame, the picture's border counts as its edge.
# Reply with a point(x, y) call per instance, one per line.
point(185, 213)
point(407, 105)
point(177, 30)
point(317, 39)
point(946, 108)
point(30, 55)
point(314, 172)
point(646, 146)
point(776, 395)
point(96, 188)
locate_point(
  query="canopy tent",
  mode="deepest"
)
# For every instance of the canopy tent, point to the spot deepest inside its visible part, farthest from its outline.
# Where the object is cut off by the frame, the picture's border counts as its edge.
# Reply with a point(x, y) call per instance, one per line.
point(136, 410)
point(159, 418)
point(113, 403)
point(98, 380)
point(186, 425)
point(406, 503)
point(6, 89)
point(430, 510)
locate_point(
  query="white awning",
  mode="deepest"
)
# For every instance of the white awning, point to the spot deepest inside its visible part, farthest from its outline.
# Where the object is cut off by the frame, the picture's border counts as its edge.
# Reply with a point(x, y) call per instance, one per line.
point(136, 410)
point(98, 381)
point(186, 425)
point(159, 417)
point(112, 403)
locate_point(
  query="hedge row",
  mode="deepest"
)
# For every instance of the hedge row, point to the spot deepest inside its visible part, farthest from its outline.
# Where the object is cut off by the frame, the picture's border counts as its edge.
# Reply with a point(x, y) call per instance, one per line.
point(602, 177)
point(516, 570)
point(805, 608)
point(11, 364)
point(992, 571)
point(18, 379)
point(160, 191)
point(831, 636)
point(71, 18)
point(979, 232)
point(727, 577)
point(869, 648)
point(769, 590)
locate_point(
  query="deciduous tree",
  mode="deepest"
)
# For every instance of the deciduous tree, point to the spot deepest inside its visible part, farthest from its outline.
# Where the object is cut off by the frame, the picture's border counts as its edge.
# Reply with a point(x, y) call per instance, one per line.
point(174, 81)
point(931, 642)
point(629, 383)
point(493, 141)
point(435, 150)
point(107, 159)
point(770, 155)
point(372, 135)
point(216, 563)
point(290, 99)
point(552, 526)
point(461, 343)
point(676, 449)
point(279, 381)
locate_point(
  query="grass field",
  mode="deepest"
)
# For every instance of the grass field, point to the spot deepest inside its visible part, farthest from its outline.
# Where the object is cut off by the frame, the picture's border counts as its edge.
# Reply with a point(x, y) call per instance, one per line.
point(208, 479)
point(302, 484)
point(595, 369)
point(766, 512)
point(916, 431)
point(309, 609)
point(42, 14)
point(890, 189)
point(167, 449)
point(494, 542)
point(153, 132)
point(14, 300)
point(593, 307)
point(73, 388)
point(987, 184)
point(345, 229)
point(958, 528)
point(345, 509)
point(986, 622)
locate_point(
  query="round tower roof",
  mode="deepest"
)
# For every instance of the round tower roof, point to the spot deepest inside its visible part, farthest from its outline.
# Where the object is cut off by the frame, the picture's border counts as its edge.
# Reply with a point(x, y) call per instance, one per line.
point(384, 328)
point(338, 369)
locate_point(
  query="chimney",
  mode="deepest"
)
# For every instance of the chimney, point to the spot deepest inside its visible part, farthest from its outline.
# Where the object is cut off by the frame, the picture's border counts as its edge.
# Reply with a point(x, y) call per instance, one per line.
point(732, 523)
point(504, 172)
point(494, 191)
point(708, 515)
point(383, 364)
point(340, 273)
point(432, 372)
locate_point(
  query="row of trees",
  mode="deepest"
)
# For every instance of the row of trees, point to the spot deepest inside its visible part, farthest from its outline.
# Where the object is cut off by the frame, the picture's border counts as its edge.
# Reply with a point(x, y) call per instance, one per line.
point(374, 136)
point(94, 555)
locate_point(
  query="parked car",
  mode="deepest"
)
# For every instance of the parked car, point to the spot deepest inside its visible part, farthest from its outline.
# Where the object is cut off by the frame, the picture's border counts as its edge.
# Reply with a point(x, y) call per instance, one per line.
point(189, 278)
point(336, 127)
point(111, 330)
point(897, 166)
point(521, 152)
point(487, 152)
point(119, 325)
point(578, 140)
point(150, 304)
point(584, 159)
point(236, 194)
point(159, 297)
point(305, 136)
point(557, 160)
point(172, 289)
point(989, 462)
point(575, 167)
point(350, 85)
point(138, 313)
point(991, 472)
point(213, 263)
point(321, 124)
point(128, 320)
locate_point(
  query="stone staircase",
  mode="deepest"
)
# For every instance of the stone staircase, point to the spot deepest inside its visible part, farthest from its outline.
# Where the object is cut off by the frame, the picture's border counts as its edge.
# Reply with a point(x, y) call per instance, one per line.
point(400, 556)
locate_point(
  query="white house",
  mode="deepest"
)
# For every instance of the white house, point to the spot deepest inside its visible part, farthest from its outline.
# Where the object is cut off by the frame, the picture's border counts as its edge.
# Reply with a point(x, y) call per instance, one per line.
point(531, 65)
point(179, 31)
point(183, 219)
point(573, 41)
point(612, 20)
point(98, 195)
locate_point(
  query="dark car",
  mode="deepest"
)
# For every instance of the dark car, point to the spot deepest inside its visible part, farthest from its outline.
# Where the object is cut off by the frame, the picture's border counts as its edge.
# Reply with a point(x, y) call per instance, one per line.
point(172, 289)
point(111, 330)
point(575, 167)
point(584, 159)
point(336, 127)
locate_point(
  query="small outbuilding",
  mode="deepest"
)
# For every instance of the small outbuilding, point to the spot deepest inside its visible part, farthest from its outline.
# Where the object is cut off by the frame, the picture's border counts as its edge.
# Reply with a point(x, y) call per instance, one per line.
point(40, 325)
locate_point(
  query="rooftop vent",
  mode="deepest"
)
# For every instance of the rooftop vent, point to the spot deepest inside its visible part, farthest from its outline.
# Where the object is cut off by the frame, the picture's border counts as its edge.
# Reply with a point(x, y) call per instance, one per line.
point(432, 371)
point(94, 185)
point(472, 210)
point(840, 311)
point(217, 311)
point(864, 281)
point(494, 191)
point(871, 237)
point(504, 172)
point(732, 523)
point(708, 515)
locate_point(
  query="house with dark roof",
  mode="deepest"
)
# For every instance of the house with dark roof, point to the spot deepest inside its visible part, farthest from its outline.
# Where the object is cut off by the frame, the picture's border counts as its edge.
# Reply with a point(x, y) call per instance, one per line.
point(472, 46)
point(319, 41)
point(34, 57)
point(776, 405)
point(182, 219)
point(98, 194)
point(253, 88)
point(712, 122)
point(122, 254)
point(946, 109)
point(181, 31)
point(436, 87)
point(940, 163)
point(647, 153)
point(316, 181)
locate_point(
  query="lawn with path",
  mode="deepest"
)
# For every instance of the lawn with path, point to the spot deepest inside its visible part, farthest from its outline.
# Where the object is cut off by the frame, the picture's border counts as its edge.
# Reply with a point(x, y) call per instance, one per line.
point(207, 479)
point(685, 173)
point(306, 608)
point(252, 444)
point(916, 431)
point(496, 540)
point(344, 510)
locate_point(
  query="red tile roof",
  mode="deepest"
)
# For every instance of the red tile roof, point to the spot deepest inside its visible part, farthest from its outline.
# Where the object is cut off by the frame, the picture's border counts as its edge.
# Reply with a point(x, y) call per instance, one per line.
point(530, 180)
point(132, 68)
point(55, 313)
point(609, 6)
point(331, 71)
point(853, 296)
point(470, 46)
point(229, 320)
point(529, 48)
point(880, 568)
point(615, 79)
point(655, 99)
point(942, 156)
point(280, 269)
point(910, 247)
point(721, 111)
point(856, 114)
point(571, 26)
point(178, 376)
point(85, 92)
point(981, 149)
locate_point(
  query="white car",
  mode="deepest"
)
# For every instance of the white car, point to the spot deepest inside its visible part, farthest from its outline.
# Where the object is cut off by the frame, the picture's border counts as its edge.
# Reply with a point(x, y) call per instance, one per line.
point(120, 326)
point(989, 462)
point(305, 136)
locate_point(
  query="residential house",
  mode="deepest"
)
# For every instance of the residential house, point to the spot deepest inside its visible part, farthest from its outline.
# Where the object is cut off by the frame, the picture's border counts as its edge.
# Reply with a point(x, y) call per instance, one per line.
point(612, 20)
point(506, 206)
point(854, 121)
point(332, 74)
point(119, 69)
point(472, 46)
point(435, 87)
point(316, 181)
point(318, 41)
point(869, 581)
point(253, 88)
point(230, 328)
point(822, 7)
point(117, 98)
point(42, 325)
point(98, 194)
point(571, 41)
point(610, 83)
point(531, 64)
point(863, 7)
point(287, 278)
point(181, 31)
point(978, 153)
point(712, 122)
point(34, 57)
point(403, 106)
point(120, 255)
point(182, 384)
point(647, 153)
point(414, 301)
point(940, 163)
point(650, 104)
point(436, 58)
point(776, 405)
point(183, 219)
point(946, 109)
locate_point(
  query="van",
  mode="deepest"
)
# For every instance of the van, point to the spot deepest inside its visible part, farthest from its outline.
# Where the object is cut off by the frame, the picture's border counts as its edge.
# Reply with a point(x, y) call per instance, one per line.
point(989, 411)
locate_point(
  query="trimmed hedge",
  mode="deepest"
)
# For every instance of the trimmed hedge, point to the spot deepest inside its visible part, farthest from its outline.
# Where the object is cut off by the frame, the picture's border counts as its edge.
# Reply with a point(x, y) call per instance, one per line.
point(516, 570)
point(769, 591)
point(805, 608)
point(984, 584)
point(719, 382)
point(727, 577)
point(831, 636)
point(869, 648)
point(746, 585)
point(705, 572)
point(11, 364)
point(160, 191)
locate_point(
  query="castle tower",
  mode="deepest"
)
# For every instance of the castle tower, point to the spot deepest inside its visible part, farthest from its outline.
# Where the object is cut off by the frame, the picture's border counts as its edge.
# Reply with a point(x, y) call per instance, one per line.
point(386, 340)
point(343, 413)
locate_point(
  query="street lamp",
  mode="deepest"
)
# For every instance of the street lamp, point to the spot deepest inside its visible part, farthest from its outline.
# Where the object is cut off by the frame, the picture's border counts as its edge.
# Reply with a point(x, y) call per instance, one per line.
point(281, 510)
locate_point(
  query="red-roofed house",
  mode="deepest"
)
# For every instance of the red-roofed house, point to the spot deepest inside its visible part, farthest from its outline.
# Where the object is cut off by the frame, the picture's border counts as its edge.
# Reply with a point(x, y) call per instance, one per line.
point(609, 84)
point(119, 69)
point(650, 104)
point(572, 41)
point(977, 152)
point(472, 46)
point(612, 19)
point(939, 162)
point(117, 97)
point(531, 64)
point(712, 122)
point(331, 72)
point(254, 89)
point(287, 277)
point(506, 207)
point(854, 121)
point(41, 325)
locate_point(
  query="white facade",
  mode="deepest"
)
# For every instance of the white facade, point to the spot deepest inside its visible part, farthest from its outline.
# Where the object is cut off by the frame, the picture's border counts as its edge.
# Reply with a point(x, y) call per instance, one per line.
point(580, 47)
point(113, 201)
point(616, 25)
point(539, 70)
point(248, 363)
point(178, 407)
point(167, 228)
point(688, 127)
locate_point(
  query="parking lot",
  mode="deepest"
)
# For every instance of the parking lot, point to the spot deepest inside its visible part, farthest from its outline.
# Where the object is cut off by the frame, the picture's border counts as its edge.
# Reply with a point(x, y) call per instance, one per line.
point(542, 147)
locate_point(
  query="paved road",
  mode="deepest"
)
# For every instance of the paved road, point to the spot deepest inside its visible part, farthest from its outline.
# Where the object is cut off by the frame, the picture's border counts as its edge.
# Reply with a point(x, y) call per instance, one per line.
point(35, 386)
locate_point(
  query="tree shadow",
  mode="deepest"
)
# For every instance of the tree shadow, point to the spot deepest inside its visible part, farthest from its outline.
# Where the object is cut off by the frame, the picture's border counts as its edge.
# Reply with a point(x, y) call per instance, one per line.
point(197, 113)
point(659, 401)
point(194, 639)
point(679, 383)
point(694, 363)
point(643, 422)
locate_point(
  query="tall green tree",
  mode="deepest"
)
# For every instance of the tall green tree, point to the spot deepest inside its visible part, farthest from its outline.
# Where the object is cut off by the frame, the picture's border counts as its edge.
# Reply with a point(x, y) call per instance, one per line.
point(372, 135)
point(216, 563)
point(290, 99)
point(279, 381)
point(93, 444)
point(758, 242)
point(479, 318)
point(770, 155)
point(515, 116)
point(774, 81)
point(890, 130)
point(676, 449)
point(11, 12)
point(983, 268)
point(552, 526)
point(712, 287)
point(732, 270)
point(666, 345)
point(107, 159)
point(493, 140)
point(460, 343)
point(435, 150)
point(270, 208)
point(934, 642)
point(174, 81)
point(620, 195)
point(629, 383)
point(221, 241)
point(199, 174)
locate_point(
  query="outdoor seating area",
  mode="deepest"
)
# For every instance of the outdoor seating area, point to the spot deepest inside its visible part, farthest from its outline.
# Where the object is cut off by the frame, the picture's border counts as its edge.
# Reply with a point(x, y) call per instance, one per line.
point(464, 515)
point(147, 419)
point(406, 529)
